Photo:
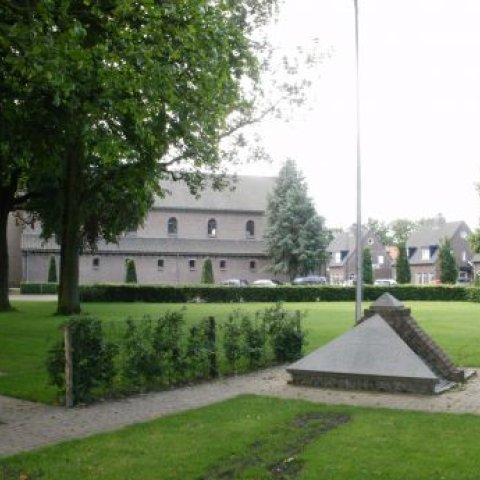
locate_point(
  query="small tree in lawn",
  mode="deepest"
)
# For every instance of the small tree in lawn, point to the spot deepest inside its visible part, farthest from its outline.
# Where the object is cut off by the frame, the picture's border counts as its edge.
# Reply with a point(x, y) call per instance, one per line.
point(448, 267)
point(131, 273)
point(52, 271)
point(403, 267)
point(207, 272)
point(367, 267)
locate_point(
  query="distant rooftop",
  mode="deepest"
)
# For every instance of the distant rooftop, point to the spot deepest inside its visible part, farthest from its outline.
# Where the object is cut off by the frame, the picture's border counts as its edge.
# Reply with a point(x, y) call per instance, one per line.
point(247, 194)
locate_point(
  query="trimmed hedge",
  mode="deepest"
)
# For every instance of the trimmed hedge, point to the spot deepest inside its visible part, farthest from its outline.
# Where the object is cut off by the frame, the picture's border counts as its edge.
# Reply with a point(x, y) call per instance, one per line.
point(36, 288)
point(227, 294)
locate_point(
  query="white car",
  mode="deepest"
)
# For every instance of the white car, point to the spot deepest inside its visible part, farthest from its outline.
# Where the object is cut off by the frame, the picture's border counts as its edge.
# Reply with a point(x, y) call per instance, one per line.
point(385, 282)
point(264, 283)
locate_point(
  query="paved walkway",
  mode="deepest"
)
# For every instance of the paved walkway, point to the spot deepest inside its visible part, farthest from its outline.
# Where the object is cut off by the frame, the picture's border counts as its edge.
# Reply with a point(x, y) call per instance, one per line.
point(26, 425)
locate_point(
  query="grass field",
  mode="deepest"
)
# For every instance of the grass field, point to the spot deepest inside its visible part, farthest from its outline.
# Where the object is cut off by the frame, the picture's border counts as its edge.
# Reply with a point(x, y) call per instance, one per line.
point(27, 333)
point(265, 438)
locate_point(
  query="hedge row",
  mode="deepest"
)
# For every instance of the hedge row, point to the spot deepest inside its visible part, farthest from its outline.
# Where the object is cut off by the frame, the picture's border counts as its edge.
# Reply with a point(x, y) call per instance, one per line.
point(165, 352)
point(226, 294)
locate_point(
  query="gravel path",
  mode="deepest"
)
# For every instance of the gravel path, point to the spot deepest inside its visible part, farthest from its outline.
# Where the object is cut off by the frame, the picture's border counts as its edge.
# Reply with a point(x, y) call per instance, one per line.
point(26, 425)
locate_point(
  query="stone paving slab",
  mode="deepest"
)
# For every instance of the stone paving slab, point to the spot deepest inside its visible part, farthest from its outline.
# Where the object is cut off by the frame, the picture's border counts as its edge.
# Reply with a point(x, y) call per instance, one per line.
point(26, 425)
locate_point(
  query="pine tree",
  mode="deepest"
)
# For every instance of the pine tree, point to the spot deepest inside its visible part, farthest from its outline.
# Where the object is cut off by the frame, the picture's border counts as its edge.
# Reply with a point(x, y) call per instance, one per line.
point(131, 273)
point(403, 267)
point(448, 267)
point(52, 271)
point(367, 267)
point(207, 272)
point(295, 235)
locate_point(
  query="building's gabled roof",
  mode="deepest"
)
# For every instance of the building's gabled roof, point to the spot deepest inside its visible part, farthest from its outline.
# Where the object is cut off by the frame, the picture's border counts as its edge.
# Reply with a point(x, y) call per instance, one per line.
point(429, 236)
point(158, 246)
point(247, 194)
point(346, 243)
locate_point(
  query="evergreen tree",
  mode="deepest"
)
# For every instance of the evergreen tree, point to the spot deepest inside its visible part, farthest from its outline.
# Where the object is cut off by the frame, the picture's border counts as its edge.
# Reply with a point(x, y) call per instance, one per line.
point(131, 272)
point(448, 267)
point(403, 267)
point(207, 272)
point(295, 235)
point(367, 267)
point(52, 271)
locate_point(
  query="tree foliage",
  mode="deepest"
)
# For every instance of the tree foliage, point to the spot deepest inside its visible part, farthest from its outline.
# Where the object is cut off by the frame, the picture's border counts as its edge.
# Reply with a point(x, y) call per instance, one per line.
point(207, 272)
point(367, 267)
point(403, 266)
point(131, 92)
point(295, 234)
point(448, 267)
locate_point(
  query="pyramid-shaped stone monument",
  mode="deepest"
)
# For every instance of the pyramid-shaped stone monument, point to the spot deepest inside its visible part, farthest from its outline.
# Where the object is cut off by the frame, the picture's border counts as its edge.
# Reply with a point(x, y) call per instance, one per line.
point(387, 351)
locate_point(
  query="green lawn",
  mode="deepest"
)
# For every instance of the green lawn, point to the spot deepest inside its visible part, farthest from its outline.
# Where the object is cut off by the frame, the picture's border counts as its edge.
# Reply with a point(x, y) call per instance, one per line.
point(265, 438)
point(27, 333)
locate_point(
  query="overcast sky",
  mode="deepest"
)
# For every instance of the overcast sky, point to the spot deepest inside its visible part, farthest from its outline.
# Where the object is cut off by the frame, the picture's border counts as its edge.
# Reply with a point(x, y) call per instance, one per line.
point(420, 109)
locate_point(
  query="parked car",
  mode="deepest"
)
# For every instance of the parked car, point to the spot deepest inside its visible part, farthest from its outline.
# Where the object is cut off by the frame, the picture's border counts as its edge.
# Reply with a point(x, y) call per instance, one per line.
point(235, 282)
point(311, 280)
point(264, 282)
point(386, 282)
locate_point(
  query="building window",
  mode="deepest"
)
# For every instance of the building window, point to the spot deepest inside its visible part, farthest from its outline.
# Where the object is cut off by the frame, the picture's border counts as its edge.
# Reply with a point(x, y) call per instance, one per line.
point(250, 228)
point(96, 263)
point(160, 264)
point(425, 253)
point(381, 260)
point(192, 265)
point(253, 265)
point(338, 257)
point(464, 256)
point(212, 228)
point(223, 264)
point(370, 241)
point(172, 226)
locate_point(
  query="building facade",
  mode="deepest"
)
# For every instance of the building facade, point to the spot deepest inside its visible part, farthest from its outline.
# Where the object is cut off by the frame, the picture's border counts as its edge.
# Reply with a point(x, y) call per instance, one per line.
point(179, 233)
point(342, 250)
point(423, 248)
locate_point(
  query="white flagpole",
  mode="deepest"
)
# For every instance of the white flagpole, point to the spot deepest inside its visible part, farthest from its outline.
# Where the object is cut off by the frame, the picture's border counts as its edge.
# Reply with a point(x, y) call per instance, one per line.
point(359, 273)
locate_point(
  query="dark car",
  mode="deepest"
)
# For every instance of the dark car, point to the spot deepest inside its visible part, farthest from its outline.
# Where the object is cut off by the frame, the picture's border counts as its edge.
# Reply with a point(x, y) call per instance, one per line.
point(311, 280)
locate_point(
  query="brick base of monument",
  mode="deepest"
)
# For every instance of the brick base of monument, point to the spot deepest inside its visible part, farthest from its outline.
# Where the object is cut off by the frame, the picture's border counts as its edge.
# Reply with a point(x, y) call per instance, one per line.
point(362, 382)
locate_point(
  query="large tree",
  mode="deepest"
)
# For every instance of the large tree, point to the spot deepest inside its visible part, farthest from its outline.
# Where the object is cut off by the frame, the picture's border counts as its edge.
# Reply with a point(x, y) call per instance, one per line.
point(295, 234)
point(448, 267)
point(133, 92)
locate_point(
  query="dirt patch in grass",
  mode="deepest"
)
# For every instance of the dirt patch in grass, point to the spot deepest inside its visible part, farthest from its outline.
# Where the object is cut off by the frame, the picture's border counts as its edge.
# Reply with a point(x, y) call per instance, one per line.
point(278, 454)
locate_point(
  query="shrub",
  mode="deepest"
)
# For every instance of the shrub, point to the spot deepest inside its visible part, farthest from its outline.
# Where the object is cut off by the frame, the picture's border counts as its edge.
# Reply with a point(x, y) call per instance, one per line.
point(285, 331)
point(92, 359)
point(255, 338)
point(232, 340)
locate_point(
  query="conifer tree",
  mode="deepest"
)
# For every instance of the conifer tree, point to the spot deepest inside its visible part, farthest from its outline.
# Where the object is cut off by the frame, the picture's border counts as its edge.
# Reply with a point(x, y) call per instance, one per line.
point(131, 273)
point(52, 270)
point(295, 235)
point(367, 267)
point(448, 267)
point(207, 272)
point(403, 267)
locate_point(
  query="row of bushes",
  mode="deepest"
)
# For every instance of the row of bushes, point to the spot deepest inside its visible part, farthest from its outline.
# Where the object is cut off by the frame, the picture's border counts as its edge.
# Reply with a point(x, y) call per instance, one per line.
point(218, 293)
point(161, 353)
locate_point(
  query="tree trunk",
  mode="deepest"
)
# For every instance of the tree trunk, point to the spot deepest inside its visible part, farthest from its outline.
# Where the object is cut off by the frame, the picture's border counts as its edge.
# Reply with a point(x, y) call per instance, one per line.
point(4, 301)
point(68, 294)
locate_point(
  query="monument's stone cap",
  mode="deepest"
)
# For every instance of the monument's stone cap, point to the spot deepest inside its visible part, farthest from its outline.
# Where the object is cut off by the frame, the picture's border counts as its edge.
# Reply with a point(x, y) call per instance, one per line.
point(387, 301)
point(372, 348)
